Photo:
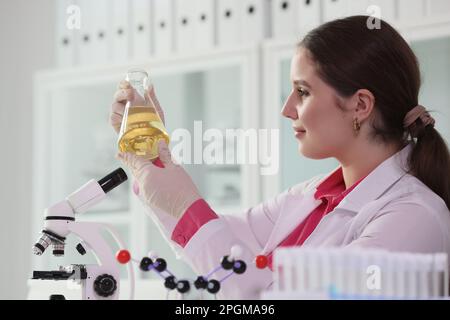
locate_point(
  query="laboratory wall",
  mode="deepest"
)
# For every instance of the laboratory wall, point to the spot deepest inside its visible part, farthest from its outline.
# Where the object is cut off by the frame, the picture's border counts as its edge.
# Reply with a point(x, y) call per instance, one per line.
point(27, 42)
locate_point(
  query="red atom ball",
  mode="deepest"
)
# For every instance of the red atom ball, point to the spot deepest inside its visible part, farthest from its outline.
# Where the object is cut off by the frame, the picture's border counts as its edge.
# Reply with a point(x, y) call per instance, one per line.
point(261, 261)
point(123, 256)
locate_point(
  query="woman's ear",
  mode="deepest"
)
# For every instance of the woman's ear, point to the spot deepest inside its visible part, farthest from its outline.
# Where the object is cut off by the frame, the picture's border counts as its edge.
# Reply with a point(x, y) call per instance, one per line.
point(364, 103)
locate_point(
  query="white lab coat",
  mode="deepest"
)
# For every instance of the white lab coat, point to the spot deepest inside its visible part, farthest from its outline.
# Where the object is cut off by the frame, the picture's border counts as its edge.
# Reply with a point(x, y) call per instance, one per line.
point(390, 209)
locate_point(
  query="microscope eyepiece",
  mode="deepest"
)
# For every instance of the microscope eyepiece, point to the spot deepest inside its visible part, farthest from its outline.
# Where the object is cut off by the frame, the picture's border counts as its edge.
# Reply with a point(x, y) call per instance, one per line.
point(112, 180)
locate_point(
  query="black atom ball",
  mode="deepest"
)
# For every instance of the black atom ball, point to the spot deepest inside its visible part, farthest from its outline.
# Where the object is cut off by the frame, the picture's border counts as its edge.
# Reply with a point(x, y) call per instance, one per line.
point(161, 264)
point(200, 283)
point(239, 267)
point(183, 286)
point(226, 263)
point(213, 286)
point(170, 283)
point(145, 264)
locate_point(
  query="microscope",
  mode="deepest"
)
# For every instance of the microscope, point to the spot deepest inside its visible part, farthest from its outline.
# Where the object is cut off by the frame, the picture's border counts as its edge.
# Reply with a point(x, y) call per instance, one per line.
point(98, 282)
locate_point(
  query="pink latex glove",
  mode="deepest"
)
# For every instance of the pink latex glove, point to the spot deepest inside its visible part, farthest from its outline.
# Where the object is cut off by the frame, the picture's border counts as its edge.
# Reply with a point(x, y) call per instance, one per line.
point(126, 93)
point(169, 189)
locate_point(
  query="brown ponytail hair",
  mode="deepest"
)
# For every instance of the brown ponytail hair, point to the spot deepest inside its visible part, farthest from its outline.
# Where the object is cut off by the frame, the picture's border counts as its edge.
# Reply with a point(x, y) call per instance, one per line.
point(350, 56)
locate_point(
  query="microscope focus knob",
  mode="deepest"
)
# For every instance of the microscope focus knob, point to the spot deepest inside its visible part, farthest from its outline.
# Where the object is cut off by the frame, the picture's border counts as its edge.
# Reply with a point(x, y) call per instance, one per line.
point(105, 285)
point(81, 250)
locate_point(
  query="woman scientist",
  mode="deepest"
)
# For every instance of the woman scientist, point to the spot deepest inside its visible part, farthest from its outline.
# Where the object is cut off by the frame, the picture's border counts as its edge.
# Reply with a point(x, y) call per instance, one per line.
point(354, 98)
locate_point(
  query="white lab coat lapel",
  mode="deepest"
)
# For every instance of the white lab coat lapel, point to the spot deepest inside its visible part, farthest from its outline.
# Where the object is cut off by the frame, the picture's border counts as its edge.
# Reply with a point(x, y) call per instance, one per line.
point(295, 210)
point(378, 182)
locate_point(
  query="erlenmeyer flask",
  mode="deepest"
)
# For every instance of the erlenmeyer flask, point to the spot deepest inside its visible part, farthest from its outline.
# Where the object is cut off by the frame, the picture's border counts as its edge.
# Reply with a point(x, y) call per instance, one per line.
point(141, 127)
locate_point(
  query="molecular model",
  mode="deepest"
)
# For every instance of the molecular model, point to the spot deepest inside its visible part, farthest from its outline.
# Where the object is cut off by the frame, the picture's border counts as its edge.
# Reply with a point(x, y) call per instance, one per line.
point(203, 282)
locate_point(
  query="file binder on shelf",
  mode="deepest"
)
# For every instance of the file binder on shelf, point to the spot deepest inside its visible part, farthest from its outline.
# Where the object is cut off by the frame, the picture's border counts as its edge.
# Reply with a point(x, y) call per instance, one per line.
point(120, 30)
point(66, 34)
point(141, 33)
point(163, 20)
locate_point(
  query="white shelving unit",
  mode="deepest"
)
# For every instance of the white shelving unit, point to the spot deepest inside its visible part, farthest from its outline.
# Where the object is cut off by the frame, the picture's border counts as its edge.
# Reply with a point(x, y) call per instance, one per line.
point(242, 86)
point(429, 38)
point(74, 142)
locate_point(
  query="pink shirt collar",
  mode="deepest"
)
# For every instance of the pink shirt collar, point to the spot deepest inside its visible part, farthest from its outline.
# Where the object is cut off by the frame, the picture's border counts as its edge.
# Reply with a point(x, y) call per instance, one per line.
point(333, 187)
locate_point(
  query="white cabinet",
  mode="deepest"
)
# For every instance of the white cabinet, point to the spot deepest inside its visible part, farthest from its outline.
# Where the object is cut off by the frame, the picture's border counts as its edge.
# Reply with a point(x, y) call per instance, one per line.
point(423, 19)
point(354, 7)
point(309, 15)
point(121, 30)
point(184, 25)
point(387, 9)
point(255, 17)
point(163, 28)
point(435, 67)
point(75, 143)
point(240, 22)
point(334, 9)
point(117, 30)
point(204, 20)
point(284, 18)
point(141, 33)
point(194, 25)
point(438, 9)
point(92, 32)
point(229, 21)
point(67, 22)
point(101, 37)
point(411, 11)
point(85, 35)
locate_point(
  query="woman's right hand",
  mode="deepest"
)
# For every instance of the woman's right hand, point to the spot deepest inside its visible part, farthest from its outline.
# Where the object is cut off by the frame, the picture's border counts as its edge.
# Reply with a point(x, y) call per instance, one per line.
point(126, 93)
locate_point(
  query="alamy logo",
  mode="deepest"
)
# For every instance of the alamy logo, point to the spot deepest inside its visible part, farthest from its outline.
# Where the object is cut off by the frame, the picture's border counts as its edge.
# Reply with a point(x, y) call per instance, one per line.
point(374, 21)
point(74, 19)
point(373, 281)
point(225, 147)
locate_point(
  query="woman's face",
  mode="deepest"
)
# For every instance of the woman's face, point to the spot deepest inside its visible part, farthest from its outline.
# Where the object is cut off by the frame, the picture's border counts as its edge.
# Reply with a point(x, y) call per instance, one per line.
point(321, 128)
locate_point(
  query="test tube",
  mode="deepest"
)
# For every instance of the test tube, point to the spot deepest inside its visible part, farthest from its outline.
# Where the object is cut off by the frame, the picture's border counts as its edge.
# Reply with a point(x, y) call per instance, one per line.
point(338, 264)
point(324, 260)
point(441, 281)
point(351, 272)
point(412, 270)
point(300, 271)
point(287, 272)
point(388, 279)
point(400, 277)
point(365, 262)
point(424, 276)
point(277, 267)
point(313, 270)
point(377, 263)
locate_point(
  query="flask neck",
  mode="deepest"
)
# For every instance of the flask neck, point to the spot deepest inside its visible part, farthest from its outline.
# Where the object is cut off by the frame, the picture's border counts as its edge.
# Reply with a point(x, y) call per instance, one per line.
point(138, 79)
point(140, 89)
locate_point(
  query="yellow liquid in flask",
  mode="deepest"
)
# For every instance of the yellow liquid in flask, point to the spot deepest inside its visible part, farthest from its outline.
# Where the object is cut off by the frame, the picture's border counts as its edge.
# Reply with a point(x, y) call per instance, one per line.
point(143, 129)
